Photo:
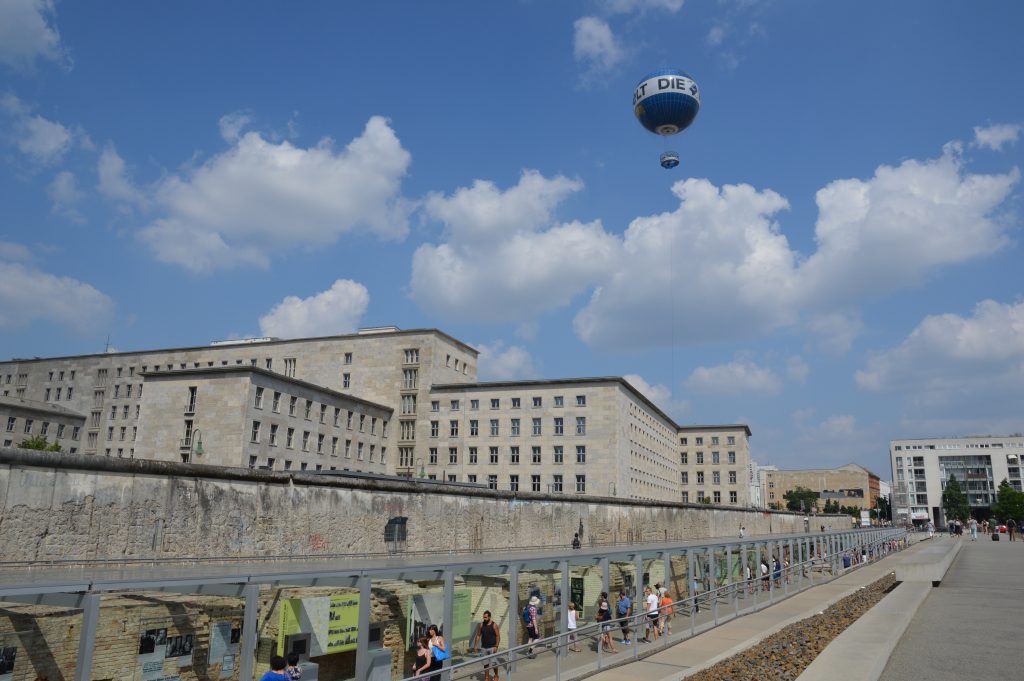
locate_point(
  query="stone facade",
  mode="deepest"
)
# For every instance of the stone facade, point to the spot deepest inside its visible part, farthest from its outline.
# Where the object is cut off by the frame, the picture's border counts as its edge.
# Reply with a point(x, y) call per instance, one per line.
point(23, 419)
point(715, 464)
point(849, 485)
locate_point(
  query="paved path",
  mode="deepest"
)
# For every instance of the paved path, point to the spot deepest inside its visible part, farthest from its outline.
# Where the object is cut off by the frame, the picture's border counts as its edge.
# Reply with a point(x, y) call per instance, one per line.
point(970, 626)
point(738, 635)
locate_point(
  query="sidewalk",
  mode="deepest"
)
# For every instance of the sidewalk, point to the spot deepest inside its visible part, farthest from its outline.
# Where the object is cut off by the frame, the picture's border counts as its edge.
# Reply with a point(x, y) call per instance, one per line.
point(713, 646)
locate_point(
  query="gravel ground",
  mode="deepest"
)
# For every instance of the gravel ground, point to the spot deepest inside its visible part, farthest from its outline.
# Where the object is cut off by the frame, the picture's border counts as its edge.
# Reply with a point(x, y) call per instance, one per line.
point(783, 656)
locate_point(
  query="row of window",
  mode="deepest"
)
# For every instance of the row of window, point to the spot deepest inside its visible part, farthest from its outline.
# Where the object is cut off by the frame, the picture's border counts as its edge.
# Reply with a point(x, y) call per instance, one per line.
point(271, 463)
point(716, 497)
point(59, 374)
point(558, 455)
point(557, 483)
point(44, 428)
point(516, 403)
point(729, 440)
point(716, 478)
point(716, 457)
point(308, 412)
point(514, 427)
point(256, 433)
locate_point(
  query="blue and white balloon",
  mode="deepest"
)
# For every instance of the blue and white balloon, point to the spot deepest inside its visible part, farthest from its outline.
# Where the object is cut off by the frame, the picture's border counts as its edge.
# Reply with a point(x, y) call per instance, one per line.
point(666, 102)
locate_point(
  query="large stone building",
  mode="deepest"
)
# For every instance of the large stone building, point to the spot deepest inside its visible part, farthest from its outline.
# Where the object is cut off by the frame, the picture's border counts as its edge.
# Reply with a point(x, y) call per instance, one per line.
point(381, 400)
point(850, 485)
point(921, 468)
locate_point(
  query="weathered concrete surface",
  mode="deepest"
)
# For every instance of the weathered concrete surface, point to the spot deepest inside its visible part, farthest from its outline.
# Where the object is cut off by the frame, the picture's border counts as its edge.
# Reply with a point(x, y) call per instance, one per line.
point(929, 565)
point(62, 507)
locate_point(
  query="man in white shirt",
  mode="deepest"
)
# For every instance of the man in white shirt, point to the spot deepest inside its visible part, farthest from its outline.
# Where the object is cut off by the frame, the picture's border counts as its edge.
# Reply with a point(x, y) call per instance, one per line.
point(652, 615)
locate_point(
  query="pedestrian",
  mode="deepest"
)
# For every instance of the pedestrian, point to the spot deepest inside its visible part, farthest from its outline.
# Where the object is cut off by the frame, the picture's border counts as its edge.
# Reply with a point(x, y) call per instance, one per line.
point(984, 527)
point(931, 530)
point(624, 607)
point(532, 622)
point(571, 616)
point(666, 612)
point(765, 580)
point(276, 672)
point(604, 616)
point(748, 576)
point(423, 657)
point(293, 670)
point(487, 639)
point(973, 524)
point(743, 532)
point(576, 541)
point(1011, 528)
point(438, 651)
point(651, 610)
point(777, 572)
point(696, 594)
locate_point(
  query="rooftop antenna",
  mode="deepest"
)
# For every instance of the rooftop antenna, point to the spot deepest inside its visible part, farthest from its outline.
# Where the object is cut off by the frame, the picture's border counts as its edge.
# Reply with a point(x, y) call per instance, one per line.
point(106, 348)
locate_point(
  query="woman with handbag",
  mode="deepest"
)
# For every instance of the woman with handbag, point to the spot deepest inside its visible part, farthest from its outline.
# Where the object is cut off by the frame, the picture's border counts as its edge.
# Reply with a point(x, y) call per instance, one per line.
point(438, 651)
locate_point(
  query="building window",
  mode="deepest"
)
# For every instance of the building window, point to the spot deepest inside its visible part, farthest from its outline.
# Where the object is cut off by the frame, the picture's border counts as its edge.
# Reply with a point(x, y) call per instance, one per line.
point(535, 455)
point(581, 454)
point(472, 454)
point(717, 497)
point(495, 403)
point(348, 449)
point(75, 431)
point(494, 427)
point(581, 484)
point(515, 403)
point(258, 402)
point(492, 482)
point(273, 434)
point(700, 477)
point(581, 400)
point(308, 410)
point(11, 420)
point(290, 438)
point(556, 483)
point(412, 356)
point(536, 426)
point(686, 478)
point(731, 440)
point(362, 422)
point(305, 440)
point(60, 430)
point(581, 425)
point(700, 457)
point(513, 483)
point(534, 483)
point(410, 378)
point(453, 455)
point(732, 497)
point(715, 458)
point(515, 427)
point(714, 439)
point(435, 428)
point(559, 427)
point(455, 405)
point(698, 440)
point(453, 427)
point(732, 477)
point(346, 380)
point(121, 434)
point(684, 459)
point(46, 397)
point(686, 497)
point(732, 457)
point(124, 411)
point(348, 358)
point(493, 454)
point(716, 478)
point(559, 454)
point(474, 404)
point(514, 455)
point(255, 432)
point(289, 367)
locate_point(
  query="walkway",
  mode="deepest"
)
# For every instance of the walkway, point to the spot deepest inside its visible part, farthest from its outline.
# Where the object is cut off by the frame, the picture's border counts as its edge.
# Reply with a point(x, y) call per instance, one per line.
point(969, 626)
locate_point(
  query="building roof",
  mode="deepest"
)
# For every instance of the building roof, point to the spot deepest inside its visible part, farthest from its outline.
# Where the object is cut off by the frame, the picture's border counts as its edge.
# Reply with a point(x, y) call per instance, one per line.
point(38, 407)
point(372, 334)
point(710, 427)
point(827, 470)
point(243, 369)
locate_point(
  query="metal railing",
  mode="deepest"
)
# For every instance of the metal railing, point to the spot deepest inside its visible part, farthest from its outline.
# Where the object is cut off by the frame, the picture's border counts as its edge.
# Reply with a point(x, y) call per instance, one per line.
point(724, 602)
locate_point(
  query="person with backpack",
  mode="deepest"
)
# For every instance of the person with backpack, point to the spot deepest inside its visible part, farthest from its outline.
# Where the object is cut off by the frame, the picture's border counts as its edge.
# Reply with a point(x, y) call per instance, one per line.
point(604, 616)
point(625, 609)
point(294, 671)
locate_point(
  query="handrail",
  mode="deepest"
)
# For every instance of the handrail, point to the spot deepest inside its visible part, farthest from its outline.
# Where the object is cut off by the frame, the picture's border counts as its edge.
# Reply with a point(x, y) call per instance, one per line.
point(637, 620)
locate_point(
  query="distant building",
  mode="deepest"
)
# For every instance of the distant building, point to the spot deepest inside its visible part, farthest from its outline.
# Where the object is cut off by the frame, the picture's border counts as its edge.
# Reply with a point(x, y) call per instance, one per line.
point(383, 400)
point(850, 485)
point(921, 468)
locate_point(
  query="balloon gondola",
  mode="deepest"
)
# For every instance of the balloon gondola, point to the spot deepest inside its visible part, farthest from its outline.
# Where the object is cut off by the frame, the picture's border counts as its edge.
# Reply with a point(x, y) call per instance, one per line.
point(666, 102)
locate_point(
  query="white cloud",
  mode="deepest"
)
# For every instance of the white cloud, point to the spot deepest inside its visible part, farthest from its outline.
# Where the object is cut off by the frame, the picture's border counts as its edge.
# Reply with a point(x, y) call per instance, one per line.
point(720, 257)
point(838, 425)
point(13, 251)
point(630, 6)
point(995, 137)
point(659, 394)
point(43, 141)
point(259, 197)
point(715, 36)
point(595, 46)
point(114, 182)
point(500, 263)
point(27, 33)
point(797, 369)
point(64, 193)
point(499, 363)
point(835, 331)
point(949, 350)
point(28, 295)
point(739, 377)
point(334, 311)
point(232, 124)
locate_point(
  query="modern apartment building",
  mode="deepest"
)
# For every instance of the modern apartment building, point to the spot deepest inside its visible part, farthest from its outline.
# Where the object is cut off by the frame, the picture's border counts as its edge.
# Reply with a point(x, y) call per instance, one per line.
point(714, 464)
point(381, 400)
point(921, 468)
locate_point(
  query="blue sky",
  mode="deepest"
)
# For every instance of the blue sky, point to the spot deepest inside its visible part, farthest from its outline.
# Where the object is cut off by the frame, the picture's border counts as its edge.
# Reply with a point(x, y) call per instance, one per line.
point(836, 261)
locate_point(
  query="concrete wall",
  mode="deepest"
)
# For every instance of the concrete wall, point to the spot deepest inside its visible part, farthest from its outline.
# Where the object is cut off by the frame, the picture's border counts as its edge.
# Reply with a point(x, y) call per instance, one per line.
point(64, 507)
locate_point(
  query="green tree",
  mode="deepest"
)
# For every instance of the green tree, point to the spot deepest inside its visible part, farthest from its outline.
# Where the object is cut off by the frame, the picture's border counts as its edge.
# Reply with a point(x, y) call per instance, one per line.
point(794, 496)
point(40, 443)
point(882, 510)
point(1009, 503)
point(954, 501)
